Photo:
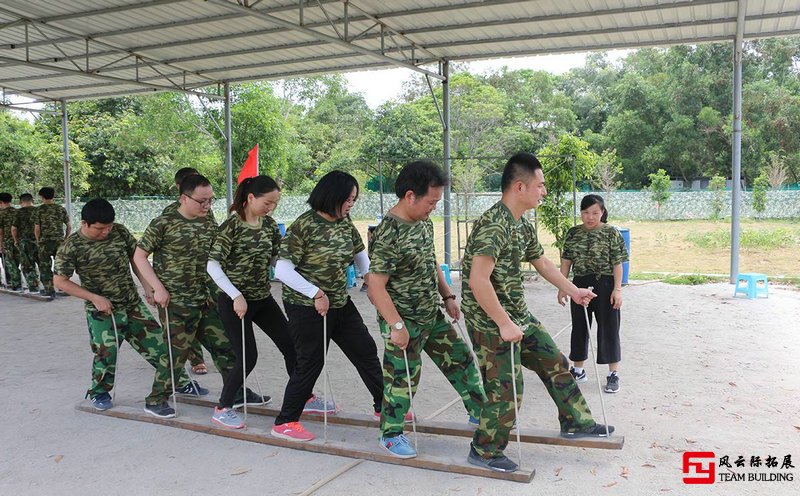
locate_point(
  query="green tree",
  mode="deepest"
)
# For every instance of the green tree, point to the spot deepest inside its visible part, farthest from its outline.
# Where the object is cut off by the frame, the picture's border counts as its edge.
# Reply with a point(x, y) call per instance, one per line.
point(557, 209)
point(659, 188)
point(760, 187)
point(717, 187)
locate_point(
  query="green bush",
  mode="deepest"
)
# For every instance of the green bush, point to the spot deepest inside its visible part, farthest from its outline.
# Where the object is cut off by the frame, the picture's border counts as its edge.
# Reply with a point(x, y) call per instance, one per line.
point(779, 238)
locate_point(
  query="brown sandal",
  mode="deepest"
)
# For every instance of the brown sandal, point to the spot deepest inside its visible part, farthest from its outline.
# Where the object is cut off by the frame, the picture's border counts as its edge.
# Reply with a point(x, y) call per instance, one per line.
point(200, 369)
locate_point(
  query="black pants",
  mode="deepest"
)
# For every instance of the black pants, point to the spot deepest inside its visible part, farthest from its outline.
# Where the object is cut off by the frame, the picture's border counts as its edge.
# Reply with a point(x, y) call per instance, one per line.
point(608, 318)
point(346, 329)
point(267, 315)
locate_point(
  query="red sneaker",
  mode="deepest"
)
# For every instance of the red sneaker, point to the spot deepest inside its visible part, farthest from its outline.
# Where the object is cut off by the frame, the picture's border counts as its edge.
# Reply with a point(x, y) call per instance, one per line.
point(293, 431)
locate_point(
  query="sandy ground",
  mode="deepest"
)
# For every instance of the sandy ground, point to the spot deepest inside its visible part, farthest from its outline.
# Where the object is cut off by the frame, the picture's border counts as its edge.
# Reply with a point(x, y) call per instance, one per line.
point(701, 372)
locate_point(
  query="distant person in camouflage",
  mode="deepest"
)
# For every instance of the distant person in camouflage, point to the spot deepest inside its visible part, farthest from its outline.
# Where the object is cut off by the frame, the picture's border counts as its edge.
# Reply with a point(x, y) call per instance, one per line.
point(180, 242)
point(406, 285)
point(100, 252)
point(595, 251)
point(8, 249)
point(312, 265)
point(496, 315)
point(246, 246)
point(22, 231)
point(196, 352)
point(49, 223)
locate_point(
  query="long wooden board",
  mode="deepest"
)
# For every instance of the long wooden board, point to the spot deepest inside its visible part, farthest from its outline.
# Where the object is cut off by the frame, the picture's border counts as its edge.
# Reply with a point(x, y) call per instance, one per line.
point(33, 296)
point(534, 436)
point(367, 450)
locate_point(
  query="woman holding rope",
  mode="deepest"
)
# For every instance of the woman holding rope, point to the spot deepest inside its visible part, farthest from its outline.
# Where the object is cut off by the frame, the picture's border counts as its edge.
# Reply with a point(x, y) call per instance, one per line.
point(239, 262)
point(313, 260)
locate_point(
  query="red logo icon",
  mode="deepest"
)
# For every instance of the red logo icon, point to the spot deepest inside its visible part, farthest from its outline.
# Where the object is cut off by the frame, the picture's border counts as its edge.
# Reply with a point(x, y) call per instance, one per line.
point(699, 467)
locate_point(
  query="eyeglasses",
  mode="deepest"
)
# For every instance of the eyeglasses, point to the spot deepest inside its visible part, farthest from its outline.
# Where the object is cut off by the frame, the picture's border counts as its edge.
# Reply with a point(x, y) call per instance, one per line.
point(203, 203)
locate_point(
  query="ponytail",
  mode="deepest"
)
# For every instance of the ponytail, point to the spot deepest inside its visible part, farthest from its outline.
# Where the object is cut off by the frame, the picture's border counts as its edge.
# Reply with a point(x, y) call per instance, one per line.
point(258, 186)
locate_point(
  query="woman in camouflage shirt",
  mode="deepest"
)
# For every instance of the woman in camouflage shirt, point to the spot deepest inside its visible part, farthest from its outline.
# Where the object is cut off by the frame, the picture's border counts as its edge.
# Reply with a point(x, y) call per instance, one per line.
point(313, 260)
point(239, 262)
point(595, 251)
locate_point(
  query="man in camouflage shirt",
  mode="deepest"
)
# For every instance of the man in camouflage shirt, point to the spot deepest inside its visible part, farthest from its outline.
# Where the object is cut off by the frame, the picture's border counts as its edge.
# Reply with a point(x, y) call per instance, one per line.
point(49, 223)
point(100, 252)
point(24, 237)
point(497, 315)
point(180, 242)
point(7, 246)
point(196, 351)
point(405, 285)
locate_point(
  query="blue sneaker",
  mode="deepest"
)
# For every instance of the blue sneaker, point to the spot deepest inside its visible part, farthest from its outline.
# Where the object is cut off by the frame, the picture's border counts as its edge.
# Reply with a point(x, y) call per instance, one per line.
point(315, 405)
point(102, 402)
point(398, 446)
point(192, 389)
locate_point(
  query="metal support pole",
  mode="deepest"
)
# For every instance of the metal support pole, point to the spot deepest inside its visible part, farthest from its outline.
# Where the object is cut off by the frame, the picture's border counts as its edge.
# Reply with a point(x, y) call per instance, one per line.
point(736, 175)
point(574, 193)
point(446, 143)
point(380, 183)
point(228, 147)
point(67, 181)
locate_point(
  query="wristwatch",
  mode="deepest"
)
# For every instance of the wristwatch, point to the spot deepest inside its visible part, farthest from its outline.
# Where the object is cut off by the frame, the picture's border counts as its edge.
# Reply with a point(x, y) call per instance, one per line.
point(398, 326)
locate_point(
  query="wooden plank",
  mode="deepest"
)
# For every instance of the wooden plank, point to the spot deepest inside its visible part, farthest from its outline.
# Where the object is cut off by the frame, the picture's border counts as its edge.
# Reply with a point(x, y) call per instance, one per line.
point(34, 296)
point(534, 436)
point(424, 461)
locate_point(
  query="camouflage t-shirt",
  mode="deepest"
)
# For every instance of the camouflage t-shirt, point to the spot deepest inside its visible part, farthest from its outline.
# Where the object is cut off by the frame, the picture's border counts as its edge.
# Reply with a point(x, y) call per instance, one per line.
point(24, 222)
point(51, 219)
point(404, 251)
point(180, 249)
point(594, 251)
point(173, 207)
point(321, 251)
point(103, 266)
point(6, 221)
point(509, 242)
point(245, 251)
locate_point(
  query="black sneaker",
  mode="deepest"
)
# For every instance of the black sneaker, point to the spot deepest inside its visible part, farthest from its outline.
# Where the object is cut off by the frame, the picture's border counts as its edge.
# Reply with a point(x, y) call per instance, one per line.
point(161, 411)
point(252, 399)
point(500, 463)
point(192, 389)
point(596, 430)
point(102, 402)
point(612, 383)
point(579, 378)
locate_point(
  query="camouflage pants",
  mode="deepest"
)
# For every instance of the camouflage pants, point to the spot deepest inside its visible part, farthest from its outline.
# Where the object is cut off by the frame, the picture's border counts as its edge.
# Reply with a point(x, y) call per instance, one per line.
point(196, 354)
point(200, 324)
point(447, 350)
point(11, 263)
point(47, 248)
point(536, 352)
point(138, 327)
point(29, 256)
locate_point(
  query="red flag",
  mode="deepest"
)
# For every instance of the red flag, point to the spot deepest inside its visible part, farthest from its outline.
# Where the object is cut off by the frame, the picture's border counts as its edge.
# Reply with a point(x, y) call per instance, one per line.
point(250, 167)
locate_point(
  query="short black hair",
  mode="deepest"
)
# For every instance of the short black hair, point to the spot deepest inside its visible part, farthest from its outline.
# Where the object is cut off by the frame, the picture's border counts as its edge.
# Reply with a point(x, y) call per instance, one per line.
point(47, 193)
point(6, 197)
point(183, 172)
point(593, 199)
point(519, 166)
point(26, 197)
point(417, 177)
point(332, 191)
point(98, 210)
point(192, 182)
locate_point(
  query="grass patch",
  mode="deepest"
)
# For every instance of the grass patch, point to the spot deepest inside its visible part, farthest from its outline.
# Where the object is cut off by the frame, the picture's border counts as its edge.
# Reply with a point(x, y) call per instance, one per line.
point(778, 238)
point(692, 279)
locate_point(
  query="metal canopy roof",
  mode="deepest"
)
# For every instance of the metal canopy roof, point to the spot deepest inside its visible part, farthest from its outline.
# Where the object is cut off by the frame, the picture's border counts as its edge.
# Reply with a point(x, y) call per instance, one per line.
point(79, 49)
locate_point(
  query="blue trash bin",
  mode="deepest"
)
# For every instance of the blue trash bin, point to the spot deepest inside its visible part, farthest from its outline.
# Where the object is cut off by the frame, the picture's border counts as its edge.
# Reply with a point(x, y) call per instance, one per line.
point(626, 236)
